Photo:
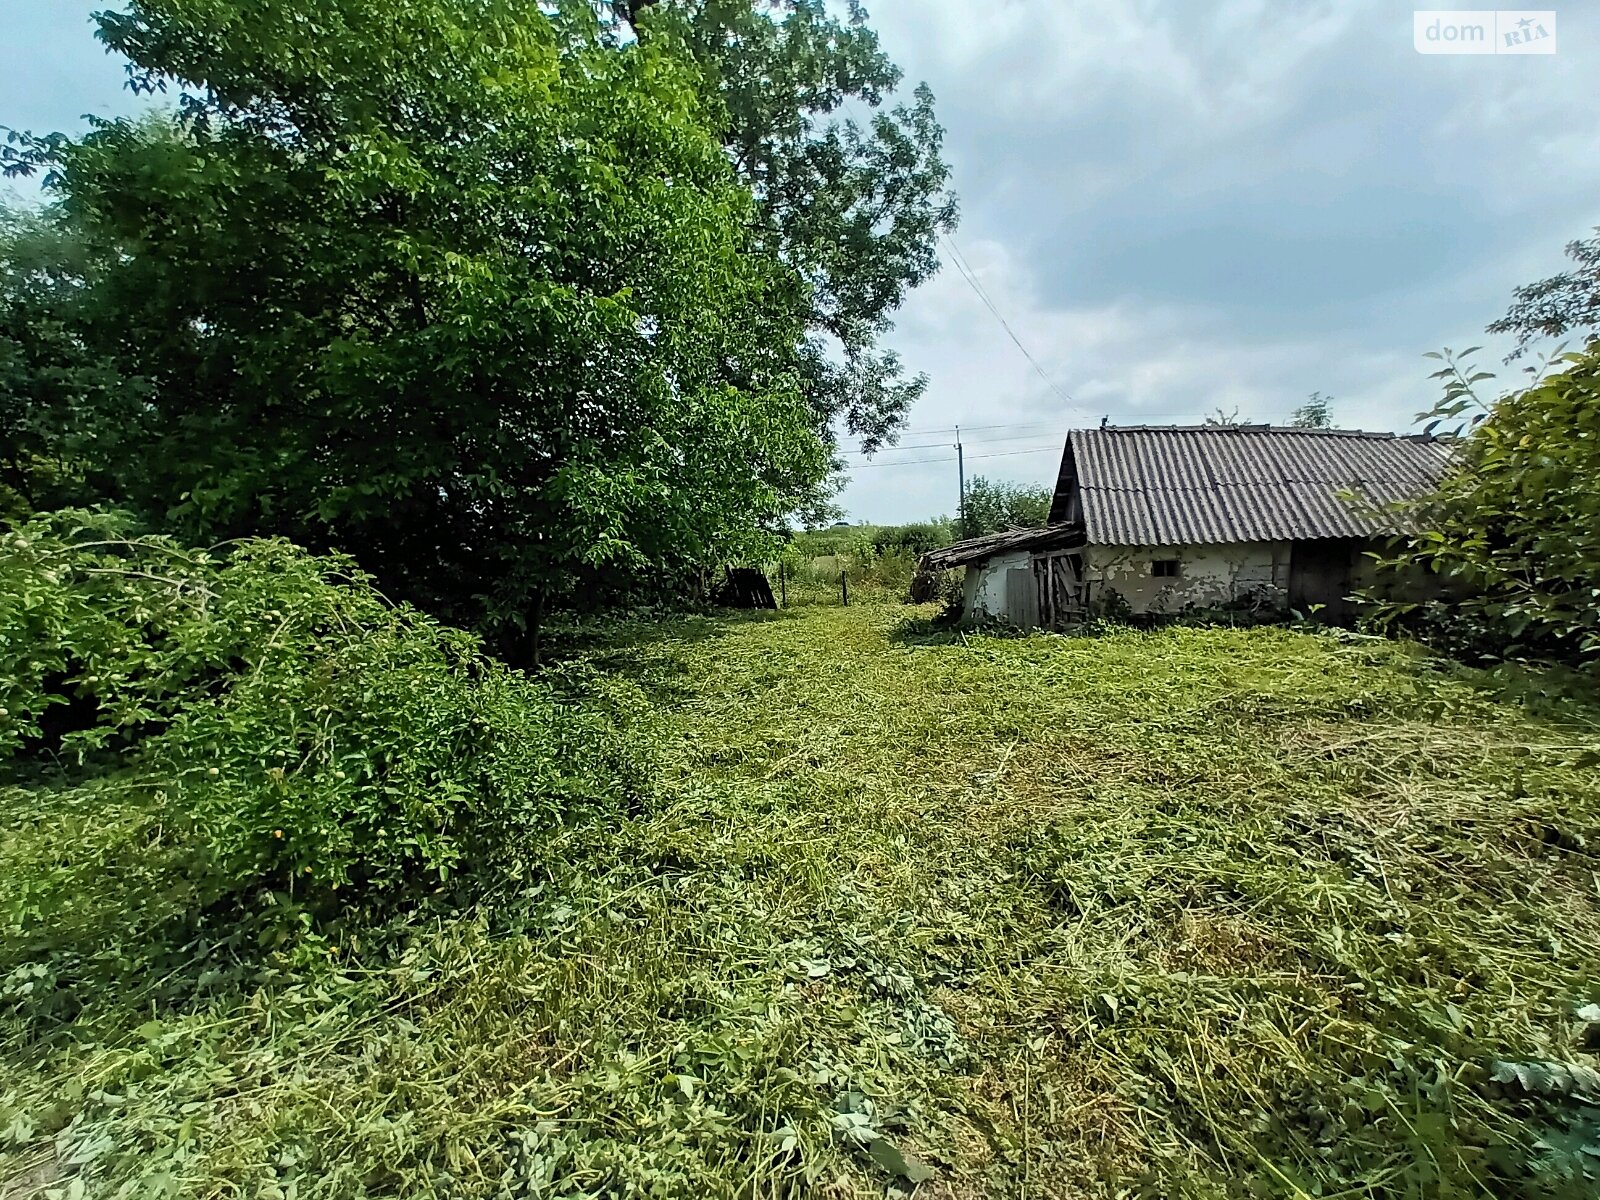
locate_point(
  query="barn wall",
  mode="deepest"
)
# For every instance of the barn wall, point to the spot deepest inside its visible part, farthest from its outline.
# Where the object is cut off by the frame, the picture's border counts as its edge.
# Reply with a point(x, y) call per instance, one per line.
point(1208, 575)
point(984, 587)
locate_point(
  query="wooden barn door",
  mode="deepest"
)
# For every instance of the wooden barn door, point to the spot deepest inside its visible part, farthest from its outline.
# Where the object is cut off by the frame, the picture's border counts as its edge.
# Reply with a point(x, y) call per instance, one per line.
point(1022, 598)
point(1319, 573)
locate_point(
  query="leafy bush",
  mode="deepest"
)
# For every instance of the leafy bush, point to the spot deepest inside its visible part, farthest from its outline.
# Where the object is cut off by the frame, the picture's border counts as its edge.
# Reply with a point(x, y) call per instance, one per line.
point(313, 737)
point(878, 560)
point(917, 538)
point(994, 505)
point(492, 353)
point(1251, 606)
point(1111, 607)
point(1517, 523)
point(815, 543)
point(1464, 632)
point(889, 572)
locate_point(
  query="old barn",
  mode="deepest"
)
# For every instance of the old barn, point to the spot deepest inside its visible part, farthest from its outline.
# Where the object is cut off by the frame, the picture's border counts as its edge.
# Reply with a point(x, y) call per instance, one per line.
point(1170, 517)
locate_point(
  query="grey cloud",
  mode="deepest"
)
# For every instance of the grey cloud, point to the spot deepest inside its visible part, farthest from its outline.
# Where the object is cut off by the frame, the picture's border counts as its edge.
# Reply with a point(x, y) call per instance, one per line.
point(1182, 207)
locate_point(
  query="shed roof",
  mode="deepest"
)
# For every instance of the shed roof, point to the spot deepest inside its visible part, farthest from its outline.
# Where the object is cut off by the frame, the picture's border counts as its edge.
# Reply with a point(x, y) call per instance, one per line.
point(1050, 537)
point(1153, 485)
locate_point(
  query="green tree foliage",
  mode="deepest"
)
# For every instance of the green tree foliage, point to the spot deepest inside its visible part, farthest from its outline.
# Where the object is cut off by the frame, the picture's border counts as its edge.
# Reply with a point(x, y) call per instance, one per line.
point(994, 505)
point(1562, 304)
point(1517, 522)
point(1315, 413)
point(55, 392)
point(853, 199)
point(455, 286)
point(309, 735)
point(918, 537)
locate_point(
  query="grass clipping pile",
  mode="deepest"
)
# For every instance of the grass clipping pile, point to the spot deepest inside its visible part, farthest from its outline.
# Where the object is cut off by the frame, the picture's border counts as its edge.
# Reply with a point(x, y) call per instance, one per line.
point(1197, 912)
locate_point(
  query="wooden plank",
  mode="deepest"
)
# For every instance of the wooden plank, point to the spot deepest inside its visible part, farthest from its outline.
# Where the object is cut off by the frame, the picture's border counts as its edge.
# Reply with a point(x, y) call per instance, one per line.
point(1022, 597)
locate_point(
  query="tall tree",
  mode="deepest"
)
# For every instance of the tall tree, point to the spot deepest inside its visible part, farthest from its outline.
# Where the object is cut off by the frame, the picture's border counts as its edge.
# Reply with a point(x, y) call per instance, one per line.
point(852, 198)
point(1315, 413)
point(1562, 304)
point(465, 289)
point(57, 395)
point(1517, 519)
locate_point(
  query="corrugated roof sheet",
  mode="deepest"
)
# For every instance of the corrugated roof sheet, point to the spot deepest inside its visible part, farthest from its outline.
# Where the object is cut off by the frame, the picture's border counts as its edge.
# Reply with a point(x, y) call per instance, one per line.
point(1196, 485)
point(1050, 537)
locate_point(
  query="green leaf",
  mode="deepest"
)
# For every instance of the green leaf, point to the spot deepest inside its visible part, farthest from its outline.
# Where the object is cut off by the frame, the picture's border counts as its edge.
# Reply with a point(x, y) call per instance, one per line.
point(898, 1162)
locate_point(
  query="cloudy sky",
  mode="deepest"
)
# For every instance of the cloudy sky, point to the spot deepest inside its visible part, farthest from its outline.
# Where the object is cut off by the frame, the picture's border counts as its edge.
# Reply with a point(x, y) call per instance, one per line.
point(1176, 206)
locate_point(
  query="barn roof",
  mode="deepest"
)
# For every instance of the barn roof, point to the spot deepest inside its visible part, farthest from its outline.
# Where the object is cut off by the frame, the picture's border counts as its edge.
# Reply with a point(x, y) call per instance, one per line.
point(1155, 485)
point(1051, 537)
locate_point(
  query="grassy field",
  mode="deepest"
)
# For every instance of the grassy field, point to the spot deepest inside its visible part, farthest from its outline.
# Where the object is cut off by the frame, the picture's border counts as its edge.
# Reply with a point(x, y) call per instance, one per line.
point(1194, 912)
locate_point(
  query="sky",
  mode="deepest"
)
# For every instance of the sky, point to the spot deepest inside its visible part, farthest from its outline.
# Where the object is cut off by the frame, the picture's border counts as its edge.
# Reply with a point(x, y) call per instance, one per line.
point(1176, 208)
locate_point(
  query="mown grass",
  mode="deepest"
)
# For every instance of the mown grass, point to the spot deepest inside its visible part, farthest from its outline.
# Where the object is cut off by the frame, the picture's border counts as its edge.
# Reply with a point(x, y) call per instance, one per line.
point(1193, 912)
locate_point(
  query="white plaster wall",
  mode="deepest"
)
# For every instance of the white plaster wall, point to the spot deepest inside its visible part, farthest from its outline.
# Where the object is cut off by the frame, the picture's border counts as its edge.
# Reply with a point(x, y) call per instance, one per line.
point(1207, 575)
point(984, 587)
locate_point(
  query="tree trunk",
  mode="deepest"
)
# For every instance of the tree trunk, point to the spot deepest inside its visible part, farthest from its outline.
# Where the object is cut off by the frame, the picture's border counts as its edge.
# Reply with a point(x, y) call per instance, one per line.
point(629, 10)
point(535, 621)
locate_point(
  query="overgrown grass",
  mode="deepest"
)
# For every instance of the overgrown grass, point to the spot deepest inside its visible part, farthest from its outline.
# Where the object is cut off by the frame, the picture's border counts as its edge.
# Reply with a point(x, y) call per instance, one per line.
point(1193, 912)
point(872, 578)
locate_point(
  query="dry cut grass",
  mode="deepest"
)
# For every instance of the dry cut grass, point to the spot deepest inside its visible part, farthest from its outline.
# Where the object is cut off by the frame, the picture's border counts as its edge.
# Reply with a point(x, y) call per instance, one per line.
point(1196, 912)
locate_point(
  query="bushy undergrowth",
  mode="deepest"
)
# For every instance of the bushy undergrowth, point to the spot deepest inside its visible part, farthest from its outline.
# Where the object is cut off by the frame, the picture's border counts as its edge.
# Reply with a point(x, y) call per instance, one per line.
point(1515, 526)
point(872, 578)
point(918, 537)
point(310, 737)
point(879, 562)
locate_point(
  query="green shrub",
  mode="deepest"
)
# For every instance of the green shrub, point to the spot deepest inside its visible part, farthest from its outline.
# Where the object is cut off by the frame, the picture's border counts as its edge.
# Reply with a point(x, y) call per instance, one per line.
point(887, 572)
point(943, 587)
point(820, 543)
point(1111, 607)
point(993, 505)
point(917, 538)
point(1516, 526)
point(313, 737)
point(858, 541)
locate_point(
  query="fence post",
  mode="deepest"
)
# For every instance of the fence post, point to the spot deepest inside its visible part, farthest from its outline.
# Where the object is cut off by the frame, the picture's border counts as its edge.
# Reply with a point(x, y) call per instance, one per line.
point(783, 587)
point(844, 588)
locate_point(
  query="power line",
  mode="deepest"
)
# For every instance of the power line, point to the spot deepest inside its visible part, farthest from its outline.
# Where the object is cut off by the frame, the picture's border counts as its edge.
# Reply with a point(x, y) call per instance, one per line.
point(1009, 453)
point(950, 458)
point(1021, 437)
point(904, 462)
point(970, 276)
point(1017, 425)
point(1042, 426)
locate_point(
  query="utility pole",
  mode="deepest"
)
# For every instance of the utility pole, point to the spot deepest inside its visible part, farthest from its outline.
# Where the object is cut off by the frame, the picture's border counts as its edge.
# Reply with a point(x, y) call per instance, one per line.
point(961, 484)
